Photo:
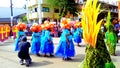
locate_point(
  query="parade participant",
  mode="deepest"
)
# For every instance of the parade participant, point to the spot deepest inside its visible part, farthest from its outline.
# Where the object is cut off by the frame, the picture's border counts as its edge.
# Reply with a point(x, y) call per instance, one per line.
point(77, 35)
point(111, 38)
point(73, 29)
point(47, 46)
point(116, 26)
point(14, 31)
point(65, 48)
point(23, 53)
point(36, 44)
point(7, 31)
point(97, 55)
point(43, 31)
point(20, 27)
point(2, 32)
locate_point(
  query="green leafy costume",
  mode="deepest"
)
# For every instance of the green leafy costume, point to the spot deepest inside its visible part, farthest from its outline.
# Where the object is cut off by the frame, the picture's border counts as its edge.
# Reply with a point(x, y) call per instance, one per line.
point(111, 38)
point(98, 57)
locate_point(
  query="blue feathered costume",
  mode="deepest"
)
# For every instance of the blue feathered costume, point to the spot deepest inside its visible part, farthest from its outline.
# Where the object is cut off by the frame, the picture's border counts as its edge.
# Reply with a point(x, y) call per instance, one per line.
point(66, 46)
point(18, 39)
point(35, 48)
point(78, 36)
point(47, 46)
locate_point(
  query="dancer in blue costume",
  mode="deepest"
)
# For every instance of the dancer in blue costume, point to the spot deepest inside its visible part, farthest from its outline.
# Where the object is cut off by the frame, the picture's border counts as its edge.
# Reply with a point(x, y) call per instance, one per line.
point(18, 39)
point(47, 46)
point(35, 48)
point(73, 30)
point(36, 40)
point(42, 35)
point(78, 36)
point(20, 33)
point(66, 46)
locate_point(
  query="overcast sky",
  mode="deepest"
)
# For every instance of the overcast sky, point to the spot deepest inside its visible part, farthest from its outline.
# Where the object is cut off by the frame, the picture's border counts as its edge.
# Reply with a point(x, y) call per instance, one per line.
point(18, 3)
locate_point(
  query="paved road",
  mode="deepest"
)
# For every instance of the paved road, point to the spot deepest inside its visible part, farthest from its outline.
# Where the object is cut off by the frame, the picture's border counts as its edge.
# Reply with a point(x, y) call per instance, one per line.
point(9, 59)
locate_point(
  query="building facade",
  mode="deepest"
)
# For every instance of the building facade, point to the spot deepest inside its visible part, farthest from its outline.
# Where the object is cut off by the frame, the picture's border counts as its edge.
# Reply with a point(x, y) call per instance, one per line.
point(106, 5)
point(110, 5)
point(39, 10)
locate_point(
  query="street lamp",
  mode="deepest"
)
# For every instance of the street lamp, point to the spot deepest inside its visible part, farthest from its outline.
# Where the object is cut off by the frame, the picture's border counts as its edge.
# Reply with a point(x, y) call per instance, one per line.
point(11, 17)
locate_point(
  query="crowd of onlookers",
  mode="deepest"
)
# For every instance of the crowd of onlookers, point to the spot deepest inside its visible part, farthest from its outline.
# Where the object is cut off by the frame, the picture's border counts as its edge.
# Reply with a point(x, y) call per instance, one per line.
point(57, 31)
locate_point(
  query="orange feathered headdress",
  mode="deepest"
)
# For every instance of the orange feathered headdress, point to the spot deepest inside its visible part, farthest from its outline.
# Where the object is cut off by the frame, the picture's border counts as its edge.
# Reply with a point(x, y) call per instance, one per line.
point(65, 23)
point(48, 25)
point(36, 27)
point(77, 24)
point(14, 27)
point(21, 26)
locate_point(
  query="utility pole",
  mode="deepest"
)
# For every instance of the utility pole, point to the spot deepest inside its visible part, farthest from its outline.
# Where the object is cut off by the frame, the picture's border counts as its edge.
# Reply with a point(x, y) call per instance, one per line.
point(11, 17)
point(27, 4)
point(40, 11)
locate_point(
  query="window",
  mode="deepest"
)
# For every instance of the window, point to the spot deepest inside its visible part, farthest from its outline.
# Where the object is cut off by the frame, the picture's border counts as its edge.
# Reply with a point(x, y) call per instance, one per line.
point(56, 10)
point(35, 9)
point(45, 9)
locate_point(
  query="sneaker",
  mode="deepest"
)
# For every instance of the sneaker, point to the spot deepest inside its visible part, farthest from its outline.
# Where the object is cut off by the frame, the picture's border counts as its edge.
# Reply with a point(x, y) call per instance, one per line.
point(65, 59)
point(38, 54)
point(51, 55)
point(30, 62)
point(21, 62)
point(79, 45)
point(68, 58)
point(46, 55)
point(27, 63)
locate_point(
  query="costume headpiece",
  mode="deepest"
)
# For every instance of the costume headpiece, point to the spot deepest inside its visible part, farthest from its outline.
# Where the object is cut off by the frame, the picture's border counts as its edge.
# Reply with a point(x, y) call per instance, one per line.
point(36, 27)
point(21, 26)
point(77, 24)
point(109, 24)
point(65, 23)
point(48, 25)
point(89, 22)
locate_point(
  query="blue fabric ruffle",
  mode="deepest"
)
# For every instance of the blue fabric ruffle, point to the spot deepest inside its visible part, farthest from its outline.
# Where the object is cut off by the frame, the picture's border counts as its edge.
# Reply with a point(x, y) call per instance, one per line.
point(20, 34)
point(47, 45)
point(63, 49)
point(35, 48)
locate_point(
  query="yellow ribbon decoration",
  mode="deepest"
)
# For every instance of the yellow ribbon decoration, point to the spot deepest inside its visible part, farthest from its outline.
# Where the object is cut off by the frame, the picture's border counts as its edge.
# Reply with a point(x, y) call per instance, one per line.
point(2, 32)
point(15, 30)
point(7, 28)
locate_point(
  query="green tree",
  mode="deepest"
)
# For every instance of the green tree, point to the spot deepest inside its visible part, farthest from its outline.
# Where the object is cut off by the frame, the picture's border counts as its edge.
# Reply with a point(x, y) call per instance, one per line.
point(65, 6)
point(24, 18)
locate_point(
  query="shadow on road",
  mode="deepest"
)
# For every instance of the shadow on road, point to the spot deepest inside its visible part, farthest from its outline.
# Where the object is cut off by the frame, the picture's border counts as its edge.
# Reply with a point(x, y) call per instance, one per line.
point(8, 59)
point(6, 51)
point(118, 53)
point(7, 43)
point(38, 64)
point(78, 58)
point(118, 44)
